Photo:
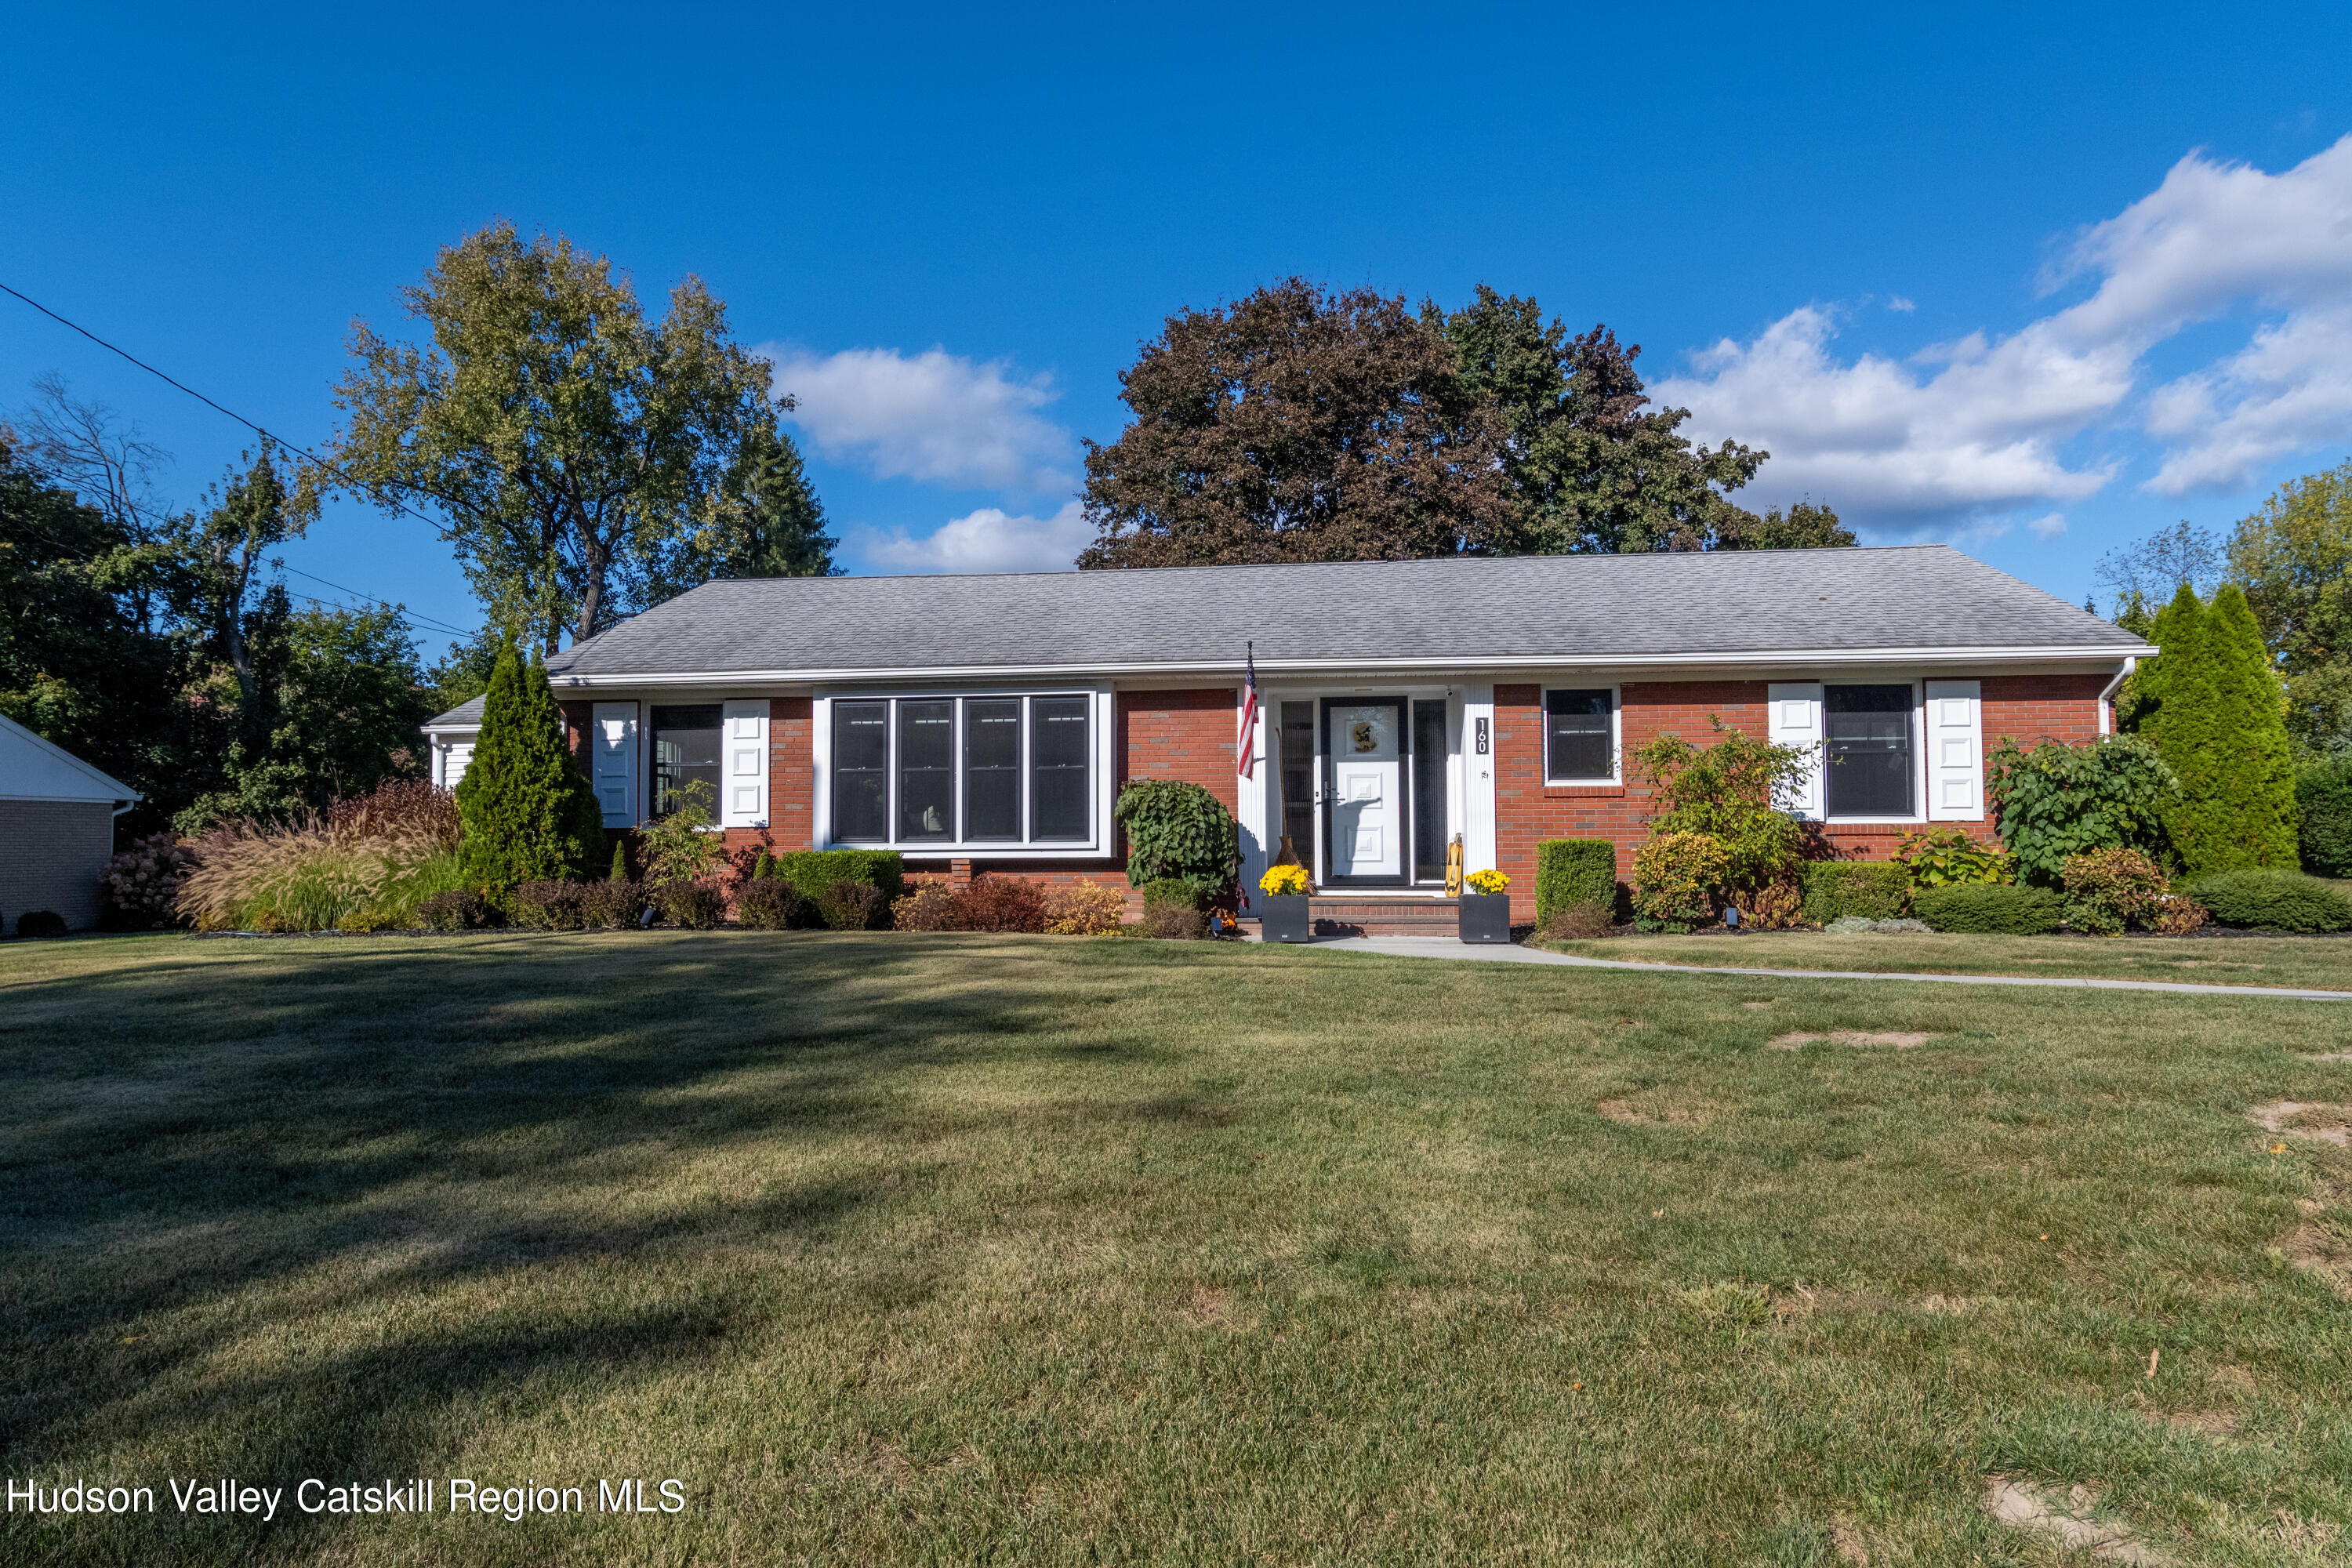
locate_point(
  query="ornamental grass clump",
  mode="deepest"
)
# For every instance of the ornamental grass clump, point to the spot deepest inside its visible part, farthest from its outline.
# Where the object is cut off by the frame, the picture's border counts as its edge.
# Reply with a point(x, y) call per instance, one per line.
point(368, 862)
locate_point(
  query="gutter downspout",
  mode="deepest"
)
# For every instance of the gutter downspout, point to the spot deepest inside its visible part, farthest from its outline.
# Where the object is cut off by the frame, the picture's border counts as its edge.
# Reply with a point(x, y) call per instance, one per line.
point(2131, 662)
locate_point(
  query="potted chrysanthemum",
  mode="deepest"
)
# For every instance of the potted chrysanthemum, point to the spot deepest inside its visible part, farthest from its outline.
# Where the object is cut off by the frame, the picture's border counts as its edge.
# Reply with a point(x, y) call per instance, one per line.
point(1485, 907)
point(1282, 908)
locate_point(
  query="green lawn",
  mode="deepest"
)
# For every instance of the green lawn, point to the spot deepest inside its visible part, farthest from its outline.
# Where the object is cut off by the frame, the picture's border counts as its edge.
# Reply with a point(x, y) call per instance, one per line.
point(1013, 1249)
point(2317, 964)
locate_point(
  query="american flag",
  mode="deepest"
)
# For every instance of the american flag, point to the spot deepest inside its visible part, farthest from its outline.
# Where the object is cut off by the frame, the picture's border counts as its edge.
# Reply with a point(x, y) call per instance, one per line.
point(1242, 742)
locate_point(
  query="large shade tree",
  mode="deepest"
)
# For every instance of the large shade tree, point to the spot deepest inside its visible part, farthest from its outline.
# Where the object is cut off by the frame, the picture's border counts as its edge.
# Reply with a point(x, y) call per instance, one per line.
point(1296, 424)
point(584, 458)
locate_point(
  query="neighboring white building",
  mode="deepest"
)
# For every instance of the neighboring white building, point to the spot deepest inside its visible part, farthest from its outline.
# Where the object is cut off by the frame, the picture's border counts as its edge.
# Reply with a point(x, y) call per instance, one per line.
point(57, 816)
point(451, 739)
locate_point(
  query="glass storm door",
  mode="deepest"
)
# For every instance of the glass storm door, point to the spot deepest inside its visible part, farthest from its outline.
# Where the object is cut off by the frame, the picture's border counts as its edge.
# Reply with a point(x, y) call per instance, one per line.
point(1364, 807)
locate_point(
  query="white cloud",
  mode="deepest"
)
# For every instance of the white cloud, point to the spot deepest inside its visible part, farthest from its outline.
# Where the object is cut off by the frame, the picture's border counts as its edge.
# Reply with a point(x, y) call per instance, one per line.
point(985, 541)
point(934, 417)
point(2048, 527)
point(1977, 426)
point(1902, 302)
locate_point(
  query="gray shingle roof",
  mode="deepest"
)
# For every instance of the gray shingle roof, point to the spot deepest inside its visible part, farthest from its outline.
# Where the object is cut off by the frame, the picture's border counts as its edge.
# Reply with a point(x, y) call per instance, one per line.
point(470, 711)
point(1483, 609)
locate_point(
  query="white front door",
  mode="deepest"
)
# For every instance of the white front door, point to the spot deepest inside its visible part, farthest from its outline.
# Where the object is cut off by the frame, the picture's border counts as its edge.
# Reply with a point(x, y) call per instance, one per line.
point(1367, 803)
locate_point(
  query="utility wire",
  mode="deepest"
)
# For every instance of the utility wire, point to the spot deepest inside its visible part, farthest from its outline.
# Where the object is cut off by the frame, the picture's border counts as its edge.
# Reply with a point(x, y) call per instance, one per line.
point(264, 433)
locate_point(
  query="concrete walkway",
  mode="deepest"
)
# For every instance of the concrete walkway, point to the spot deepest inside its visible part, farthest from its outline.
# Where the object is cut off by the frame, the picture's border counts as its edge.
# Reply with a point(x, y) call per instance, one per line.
point(1448, 947)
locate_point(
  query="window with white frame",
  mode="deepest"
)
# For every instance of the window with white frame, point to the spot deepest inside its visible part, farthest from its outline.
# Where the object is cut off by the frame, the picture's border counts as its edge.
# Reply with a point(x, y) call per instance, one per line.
point(1580, 736)
point(1869, 765)
point(943, 771)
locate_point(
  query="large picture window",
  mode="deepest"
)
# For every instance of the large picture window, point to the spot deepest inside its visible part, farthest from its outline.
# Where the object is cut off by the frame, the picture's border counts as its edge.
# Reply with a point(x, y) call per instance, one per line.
point(1580, 737)
point(939, 771)
point(685, 752)
point(1868, 750)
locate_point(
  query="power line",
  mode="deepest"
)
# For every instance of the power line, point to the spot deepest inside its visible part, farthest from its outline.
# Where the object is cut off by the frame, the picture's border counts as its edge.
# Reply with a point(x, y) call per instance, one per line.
point(259, 430)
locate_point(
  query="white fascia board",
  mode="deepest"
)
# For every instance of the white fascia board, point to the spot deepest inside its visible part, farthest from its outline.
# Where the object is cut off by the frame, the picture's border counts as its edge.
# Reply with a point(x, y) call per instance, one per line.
point(1757, 662)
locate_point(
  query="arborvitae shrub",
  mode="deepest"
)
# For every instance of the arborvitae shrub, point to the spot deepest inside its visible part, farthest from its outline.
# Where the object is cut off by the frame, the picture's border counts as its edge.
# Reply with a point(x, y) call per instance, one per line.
point(1575, 873)
point(1874, 889)
point(2222, 729)
point(2323, 793)
point(530, 813)
point(2272, 899)
point(1988, 908)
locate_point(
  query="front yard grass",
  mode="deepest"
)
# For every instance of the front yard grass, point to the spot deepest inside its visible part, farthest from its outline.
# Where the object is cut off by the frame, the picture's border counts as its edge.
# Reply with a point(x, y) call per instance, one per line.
point(954, 1249)
point(2297, 963)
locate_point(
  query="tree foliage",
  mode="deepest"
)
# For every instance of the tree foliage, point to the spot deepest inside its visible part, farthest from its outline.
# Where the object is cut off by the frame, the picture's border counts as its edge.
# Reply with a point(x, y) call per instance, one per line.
point(1295, 425)
point(2294, 559)
point(583, 460)
point(529, 814)
point(2058, 800)
point(1593, 465)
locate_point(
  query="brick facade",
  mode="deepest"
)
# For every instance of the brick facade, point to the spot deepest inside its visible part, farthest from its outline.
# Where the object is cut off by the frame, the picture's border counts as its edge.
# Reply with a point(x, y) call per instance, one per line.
point(57, 850)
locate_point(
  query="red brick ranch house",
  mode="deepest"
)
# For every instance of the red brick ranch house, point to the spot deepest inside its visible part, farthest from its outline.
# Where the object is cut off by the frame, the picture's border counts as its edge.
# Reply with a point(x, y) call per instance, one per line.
point(984, 724)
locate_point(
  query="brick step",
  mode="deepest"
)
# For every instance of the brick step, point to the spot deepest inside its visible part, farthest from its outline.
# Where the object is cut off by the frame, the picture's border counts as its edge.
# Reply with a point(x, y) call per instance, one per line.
point(1358, 915)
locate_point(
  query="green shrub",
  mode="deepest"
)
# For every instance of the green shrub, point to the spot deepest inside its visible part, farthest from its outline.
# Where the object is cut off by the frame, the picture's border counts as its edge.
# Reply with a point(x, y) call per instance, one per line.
point(2110, 890)
point(849, 905)
point(1179, 829)
point(548, 905)
point(1181, 891)
point(767, 903)
point(40, 922)
point(1948, 857)
point(678, 847)
point(529, 812)
point(2221, 729)
point(814, 872)
point(2272, 899)
point(2058, 800)
point(1988, 908)
point(1575, 873)
point(1675, 876)
point(1730, 791)
point(611, 904)
point(2323, 792)
point(696, 906)
point(1874, 889)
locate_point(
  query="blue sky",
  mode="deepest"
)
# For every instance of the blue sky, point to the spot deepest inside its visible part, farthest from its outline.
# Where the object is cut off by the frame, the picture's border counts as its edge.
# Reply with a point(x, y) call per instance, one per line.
point(2033, 282)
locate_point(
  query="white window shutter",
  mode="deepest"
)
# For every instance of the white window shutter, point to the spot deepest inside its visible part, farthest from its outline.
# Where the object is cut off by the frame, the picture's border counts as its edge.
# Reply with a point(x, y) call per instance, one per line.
point(1796, 721)
point(743, 765)
point(1954, 750)
point(613, 761)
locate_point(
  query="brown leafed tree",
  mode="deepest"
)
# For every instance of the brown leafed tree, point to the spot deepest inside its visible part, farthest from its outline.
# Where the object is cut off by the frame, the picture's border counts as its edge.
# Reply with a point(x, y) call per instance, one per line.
point(1296, 424)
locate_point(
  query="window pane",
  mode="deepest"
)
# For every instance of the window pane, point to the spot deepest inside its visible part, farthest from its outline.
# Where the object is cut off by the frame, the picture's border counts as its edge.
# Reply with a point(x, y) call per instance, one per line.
point(926, 770)
point(861, 772)
point(1576, 735)
point(1298, 779)
point(1868, 752)
point(686, 752)
point(1429, 791)
point(991, 769)
point(1058, 754)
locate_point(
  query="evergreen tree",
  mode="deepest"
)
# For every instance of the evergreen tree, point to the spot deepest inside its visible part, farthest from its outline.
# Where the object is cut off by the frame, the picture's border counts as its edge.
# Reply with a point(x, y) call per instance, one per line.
point(2237, 769)
point(2175, 630)
point(529, 812)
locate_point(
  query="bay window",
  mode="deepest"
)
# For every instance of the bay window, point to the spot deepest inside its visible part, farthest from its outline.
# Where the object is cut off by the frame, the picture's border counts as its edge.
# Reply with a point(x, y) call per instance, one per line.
point(928, 772)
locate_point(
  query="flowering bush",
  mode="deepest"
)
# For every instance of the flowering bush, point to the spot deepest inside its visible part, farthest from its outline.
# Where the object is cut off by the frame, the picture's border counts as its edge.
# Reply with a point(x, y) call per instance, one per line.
point(1283, 882)
point(1087, 909)
point(1675, 878)
point(142, 883)
point(1487, 881)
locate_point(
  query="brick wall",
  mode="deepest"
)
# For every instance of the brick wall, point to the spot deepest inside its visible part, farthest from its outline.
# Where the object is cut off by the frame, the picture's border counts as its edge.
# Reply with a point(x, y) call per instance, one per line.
point(1181, 735)
point(2026, 708)
point(57, 849)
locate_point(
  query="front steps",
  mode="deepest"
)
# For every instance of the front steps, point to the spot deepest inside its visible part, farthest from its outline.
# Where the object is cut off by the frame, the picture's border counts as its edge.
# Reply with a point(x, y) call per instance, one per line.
point(1370, 914)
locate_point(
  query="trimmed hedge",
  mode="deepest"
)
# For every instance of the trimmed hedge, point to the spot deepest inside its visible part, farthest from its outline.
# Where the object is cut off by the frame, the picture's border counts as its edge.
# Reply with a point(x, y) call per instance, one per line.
point(2272, 899)
point(1988, 908)
point(1182, 893)
point(1874, 889)
point(813, 873)
point(1572, 873)
point(2323, 792)
point(40, 922)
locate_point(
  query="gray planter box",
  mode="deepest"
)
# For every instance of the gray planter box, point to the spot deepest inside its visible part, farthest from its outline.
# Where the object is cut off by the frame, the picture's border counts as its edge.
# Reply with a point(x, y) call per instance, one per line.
point(1284, 917)
point(1486, 917)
